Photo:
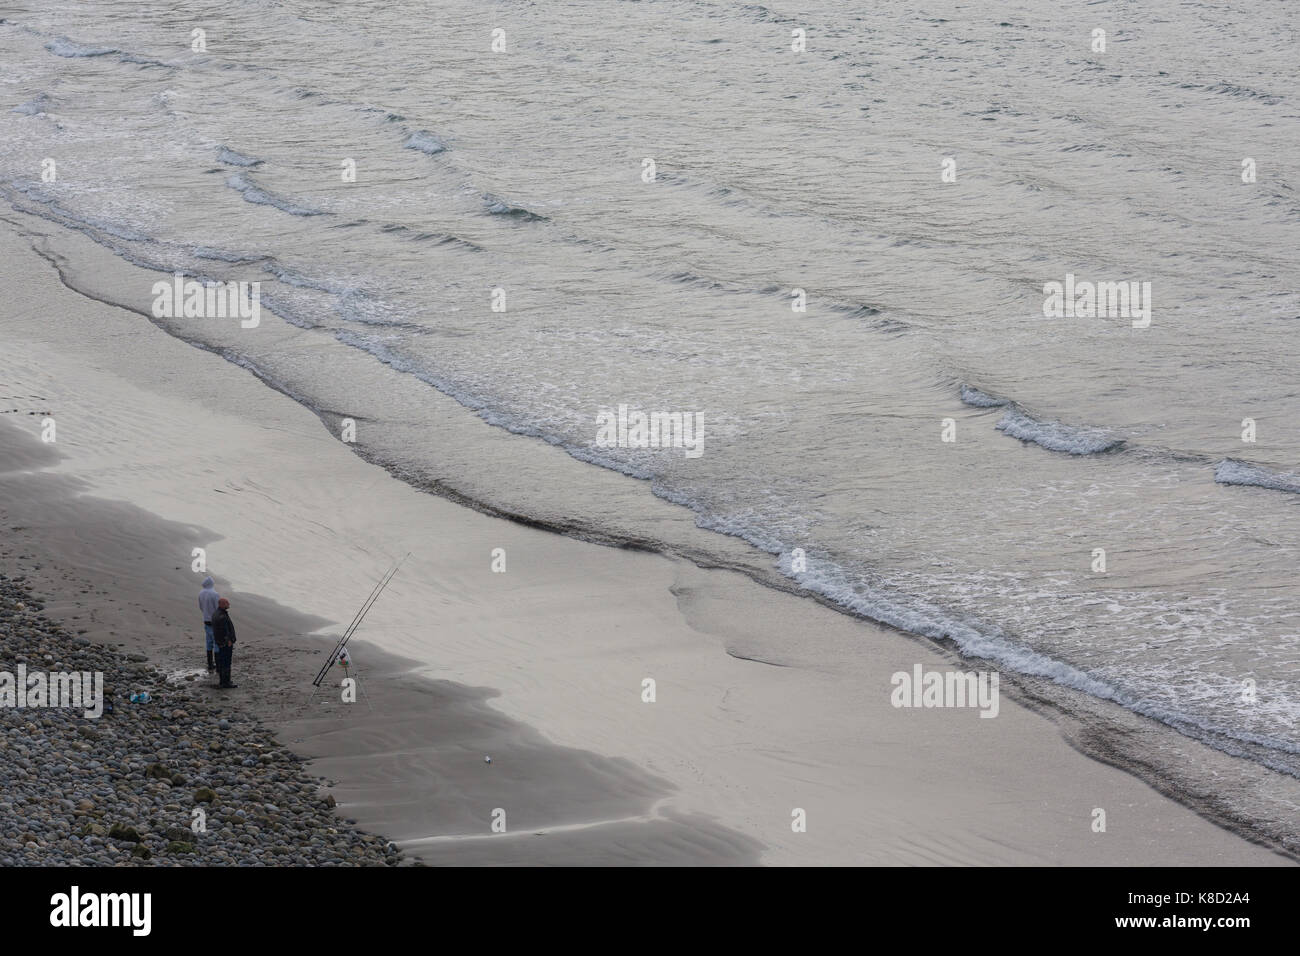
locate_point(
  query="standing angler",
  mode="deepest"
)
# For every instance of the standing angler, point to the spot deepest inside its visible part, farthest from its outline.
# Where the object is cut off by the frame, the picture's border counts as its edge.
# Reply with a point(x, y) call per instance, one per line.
point(223, 633)
point(208, 598)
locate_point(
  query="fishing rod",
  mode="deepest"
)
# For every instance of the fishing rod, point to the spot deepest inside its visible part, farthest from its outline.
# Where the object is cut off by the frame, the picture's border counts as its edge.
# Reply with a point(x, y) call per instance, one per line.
point(358, 618)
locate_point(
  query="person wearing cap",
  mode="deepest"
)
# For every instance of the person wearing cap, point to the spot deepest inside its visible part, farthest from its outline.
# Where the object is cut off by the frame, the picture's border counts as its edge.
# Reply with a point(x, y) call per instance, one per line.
point(223, 635)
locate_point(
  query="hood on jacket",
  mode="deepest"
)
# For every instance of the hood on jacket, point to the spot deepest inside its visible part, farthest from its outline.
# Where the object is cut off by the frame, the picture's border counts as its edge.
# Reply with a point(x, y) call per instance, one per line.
point(208, 582)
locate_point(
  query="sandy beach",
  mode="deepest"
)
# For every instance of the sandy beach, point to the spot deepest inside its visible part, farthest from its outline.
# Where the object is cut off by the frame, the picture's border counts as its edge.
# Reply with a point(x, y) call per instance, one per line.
point(162, 448)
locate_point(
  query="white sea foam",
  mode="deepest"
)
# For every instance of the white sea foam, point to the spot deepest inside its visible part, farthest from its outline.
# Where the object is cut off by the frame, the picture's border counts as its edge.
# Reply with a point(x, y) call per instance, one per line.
point(234, 158)
point(425, 142)
point(62, 46)
point(1057, 436)
point(255, 194)
point(500, 207)
point(1232, 471)
point(34, 107)
point(973, 396)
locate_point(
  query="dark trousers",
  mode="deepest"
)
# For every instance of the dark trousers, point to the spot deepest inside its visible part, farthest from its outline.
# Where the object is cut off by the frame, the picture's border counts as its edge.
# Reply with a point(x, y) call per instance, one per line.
point(224, 654)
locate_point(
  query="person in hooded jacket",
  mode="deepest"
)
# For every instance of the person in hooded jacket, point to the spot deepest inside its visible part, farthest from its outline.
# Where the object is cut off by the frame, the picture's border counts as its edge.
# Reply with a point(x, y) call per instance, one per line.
point(208, 598)
point(223, 634)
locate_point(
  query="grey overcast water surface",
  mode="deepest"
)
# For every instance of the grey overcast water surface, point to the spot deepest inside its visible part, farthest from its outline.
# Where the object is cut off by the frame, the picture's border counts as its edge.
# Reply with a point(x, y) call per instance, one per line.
point(776, 170)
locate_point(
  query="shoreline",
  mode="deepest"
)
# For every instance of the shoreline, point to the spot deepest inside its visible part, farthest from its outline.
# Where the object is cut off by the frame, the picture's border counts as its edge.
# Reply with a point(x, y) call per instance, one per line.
point(1207, 775)
point(741, 742)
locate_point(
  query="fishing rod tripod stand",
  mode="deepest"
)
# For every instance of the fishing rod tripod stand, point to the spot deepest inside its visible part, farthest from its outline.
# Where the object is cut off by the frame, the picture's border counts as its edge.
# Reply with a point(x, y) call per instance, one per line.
point(348, 674)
